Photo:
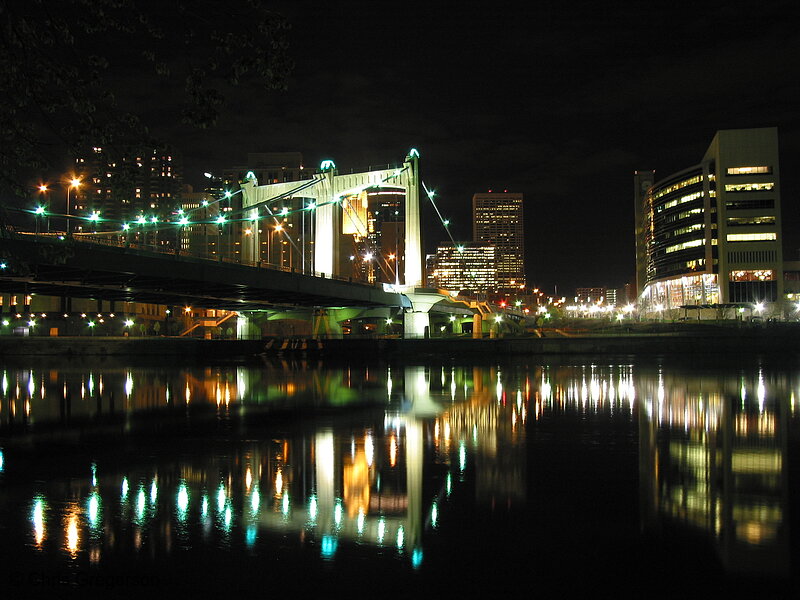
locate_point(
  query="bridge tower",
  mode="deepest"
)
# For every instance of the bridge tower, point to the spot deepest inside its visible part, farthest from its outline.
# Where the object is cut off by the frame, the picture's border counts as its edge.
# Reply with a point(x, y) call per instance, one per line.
point(327, 190)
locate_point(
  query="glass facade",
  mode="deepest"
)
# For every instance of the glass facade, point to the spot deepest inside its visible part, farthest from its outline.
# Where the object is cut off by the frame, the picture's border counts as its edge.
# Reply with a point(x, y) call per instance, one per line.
point(690, 249)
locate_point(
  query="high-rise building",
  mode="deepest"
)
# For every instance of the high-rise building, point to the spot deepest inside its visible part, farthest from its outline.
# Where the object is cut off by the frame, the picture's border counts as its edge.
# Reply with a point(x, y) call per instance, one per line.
point(497, 220)
point(710, 235)
point(121, 186)
point(465, 266)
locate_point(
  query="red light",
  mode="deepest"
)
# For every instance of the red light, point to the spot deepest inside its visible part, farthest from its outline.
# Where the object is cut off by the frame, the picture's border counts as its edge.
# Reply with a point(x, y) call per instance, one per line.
point(503, 304)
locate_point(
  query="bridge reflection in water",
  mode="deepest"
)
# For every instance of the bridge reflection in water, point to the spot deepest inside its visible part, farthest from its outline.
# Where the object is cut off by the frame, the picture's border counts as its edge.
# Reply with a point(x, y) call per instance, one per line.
point(341, 483)
point(713, 453)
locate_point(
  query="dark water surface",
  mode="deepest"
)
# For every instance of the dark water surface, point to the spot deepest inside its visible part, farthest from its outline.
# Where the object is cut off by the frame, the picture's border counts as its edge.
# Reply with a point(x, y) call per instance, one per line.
point(537, 477)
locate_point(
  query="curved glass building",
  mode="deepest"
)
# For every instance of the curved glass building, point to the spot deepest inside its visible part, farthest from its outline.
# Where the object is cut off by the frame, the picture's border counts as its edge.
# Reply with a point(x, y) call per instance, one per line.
point(708, 237)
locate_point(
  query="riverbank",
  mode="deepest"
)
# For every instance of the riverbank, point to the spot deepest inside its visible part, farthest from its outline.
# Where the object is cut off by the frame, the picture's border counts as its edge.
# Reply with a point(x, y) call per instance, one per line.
point(781, 338)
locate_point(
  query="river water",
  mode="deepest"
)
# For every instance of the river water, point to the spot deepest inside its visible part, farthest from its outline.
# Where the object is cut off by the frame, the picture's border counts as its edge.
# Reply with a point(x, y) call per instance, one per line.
point(643, 477)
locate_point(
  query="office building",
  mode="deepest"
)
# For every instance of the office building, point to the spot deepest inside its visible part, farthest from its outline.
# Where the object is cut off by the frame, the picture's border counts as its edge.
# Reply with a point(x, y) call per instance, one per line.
point(465, 266)
point(497, 220)
point(591, 295)
point(120, 186)
point(710, 235)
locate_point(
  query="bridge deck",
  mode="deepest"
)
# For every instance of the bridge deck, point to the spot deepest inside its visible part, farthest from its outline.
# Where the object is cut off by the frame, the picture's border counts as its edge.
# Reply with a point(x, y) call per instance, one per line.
point(69, 268)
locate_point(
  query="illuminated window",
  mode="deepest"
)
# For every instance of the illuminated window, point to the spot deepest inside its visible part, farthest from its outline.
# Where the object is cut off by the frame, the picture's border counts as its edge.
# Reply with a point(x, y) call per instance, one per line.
point(749, 187)
point(741, 221)
point(677, 186)
point(749, 170)
point(753, 275)
point(752, 237)
point(684, 246)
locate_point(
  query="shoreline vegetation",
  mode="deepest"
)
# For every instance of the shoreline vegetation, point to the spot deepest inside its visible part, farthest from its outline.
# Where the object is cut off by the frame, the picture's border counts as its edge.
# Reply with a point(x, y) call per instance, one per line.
point(653, 339)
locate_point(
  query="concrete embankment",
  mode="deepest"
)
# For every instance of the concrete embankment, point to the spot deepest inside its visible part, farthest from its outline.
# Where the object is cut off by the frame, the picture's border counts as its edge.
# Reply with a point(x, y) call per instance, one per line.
point(784, 340)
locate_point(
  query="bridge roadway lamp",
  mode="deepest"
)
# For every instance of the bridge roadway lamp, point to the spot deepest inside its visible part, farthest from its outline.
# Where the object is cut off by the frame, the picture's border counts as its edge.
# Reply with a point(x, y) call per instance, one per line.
point(73, 183)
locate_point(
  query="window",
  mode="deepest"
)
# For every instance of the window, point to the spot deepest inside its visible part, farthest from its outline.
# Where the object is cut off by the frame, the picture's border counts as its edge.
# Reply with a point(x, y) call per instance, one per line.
point(749, 204)
point(751, 237)
point(753, 275)
point(749, 187)
point(742, 221)
point(749, 170)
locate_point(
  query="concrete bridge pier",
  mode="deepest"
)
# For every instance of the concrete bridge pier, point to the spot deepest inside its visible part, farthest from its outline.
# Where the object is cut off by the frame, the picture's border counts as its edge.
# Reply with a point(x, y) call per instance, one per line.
point(417, 320)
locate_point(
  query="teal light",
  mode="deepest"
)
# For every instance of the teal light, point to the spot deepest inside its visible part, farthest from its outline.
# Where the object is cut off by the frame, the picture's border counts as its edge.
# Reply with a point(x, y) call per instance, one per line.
point(95, 216)
point(381, 529)
point(326, 165)
point(93, 509)
point(228, 194)
point(39, 210)
point(126, 226)
point(182, 501)
point(312, 509)
point(255, 500)
point(183, 221)
point(285, 504)
point(462, 456)
point(251, 177)
point(204, 506)
point(94, 474)
point(416, 558)
point(413, 153)
point(435, 514)
point(337, 513)
point(401, 537)
point(153, 492)
point(446, 222)
point(221, 498)
point(2, 461)
point(329, 544)
point(141, 220)
point(250, 535)
point(220, 220)
point(154, 220)
point(140, 500)
point(124, 491)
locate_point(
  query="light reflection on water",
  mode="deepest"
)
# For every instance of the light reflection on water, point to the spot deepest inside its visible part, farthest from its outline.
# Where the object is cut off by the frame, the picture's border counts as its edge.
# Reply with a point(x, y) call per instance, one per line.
point(712, 451)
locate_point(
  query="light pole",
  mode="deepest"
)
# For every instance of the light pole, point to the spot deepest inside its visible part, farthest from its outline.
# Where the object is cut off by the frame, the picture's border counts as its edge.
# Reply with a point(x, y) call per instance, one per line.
point(74, 183)
point(46, 203)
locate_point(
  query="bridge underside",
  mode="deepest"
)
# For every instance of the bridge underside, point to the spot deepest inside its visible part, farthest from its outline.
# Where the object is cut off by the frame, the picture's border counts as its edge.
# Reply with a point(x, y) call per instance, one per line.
point(64, 268)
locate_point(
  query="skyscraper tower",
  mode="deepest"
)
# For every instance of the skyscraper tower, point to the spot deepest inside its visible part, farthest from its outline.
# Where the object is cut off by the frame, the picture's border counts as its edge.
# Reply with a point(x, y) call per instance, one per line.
point(497, 219)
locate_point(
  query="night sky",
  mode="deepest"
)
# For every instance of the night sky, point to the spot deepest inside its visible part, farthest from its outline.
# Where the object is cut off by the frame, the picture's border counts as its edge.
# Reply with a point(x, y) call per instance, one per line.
point(562, 103)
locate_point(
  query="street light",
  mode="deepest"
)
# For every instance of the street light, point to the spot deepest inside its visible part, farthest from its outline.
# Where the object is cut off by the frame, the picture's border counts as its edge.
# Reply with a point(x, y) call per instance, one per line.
point(43, 189)
point(73, 183)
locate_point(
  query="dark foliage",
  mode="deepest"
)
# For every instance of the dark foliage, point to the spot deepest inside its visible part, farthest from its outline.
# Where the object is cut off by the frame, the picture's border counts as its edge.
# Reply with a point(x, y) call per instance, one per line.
point(66, 69)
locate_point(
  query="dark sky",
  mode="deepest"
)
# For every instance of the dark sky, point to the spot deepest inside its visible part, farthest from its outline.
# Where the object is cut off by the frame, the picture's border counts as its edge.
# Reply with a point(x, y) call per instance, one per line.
point(562, 103)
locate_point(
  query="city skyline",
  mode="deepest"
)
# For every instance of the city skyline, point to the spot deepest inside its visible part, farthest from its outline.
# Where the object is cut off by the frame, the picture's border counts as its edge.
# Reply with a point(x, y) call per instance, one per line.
point(563, 106)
